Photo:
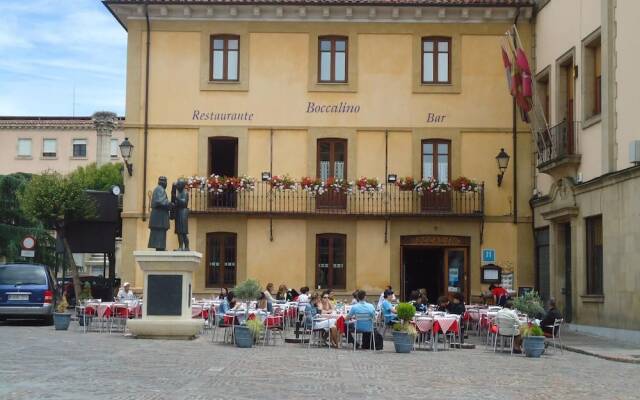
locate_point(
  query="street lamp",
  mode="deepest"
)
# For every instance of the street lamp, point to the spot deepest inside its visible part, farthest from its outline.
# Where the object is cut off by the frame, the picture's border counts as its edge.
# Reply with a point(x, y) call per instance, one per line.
point(503, 161)
point(266, 176)
point(392, 178)
point(126, 148)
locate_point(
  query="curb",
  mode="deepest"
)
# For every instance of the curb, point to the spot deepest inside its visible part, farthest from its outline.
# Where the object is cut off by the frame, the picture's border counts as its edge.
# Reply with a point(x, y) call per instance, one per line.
point(602, 356)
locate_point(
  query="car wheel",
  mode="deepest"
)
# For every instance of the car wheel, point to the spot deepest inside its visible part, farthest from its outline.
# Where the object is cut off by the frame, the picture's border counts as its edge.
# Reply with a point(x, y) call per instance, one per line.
point(48, 320)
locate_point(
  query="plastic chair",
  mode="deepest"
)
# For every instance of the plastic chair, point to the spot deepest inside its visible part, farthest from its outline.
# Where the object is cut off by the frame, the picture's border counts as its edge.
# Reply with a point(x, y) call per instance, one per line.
point(365, 318)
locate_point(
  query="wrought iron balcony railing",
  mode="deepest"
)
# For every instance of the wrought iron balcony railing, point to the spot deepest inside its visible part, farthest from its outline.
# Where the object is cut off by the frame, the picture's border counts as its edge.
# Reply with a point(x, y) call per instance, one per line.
point(390, 202)
point(557, 142)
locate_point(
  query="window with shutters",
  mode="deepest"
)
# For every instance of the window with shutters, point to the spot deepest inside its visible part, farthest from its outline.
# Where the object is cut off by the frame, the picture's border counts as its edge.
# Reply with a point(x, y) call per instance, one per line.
point(49, 148)
point(221, 259)
point(594, 255)
point(225, 58)
point(79, 148)
point(331, 261)
point(332, 158)
point(436, 159)
point(436, 60)
point(24, 148)
point(333, 59)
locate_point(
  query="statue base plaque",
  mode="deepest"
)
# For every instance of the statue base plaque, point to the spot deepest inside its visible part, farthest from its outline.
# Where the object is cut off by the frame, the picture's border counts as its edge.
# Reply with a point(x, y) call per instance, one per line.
point(166, 307)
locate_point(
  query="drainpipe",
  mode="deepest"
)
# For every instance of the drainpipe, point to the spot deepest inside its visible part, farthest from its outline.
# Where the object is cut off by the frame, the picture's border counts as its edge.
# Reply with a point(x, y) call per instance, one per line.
point(270, 187)
point(386, 174)
point(146, 115)
point(515, 142)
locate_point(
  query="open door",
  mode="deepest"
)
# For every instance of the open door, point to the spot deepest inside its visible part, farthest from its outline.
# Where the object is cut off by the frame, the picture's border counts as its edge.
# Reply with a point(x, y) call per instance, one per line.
point(455, 260)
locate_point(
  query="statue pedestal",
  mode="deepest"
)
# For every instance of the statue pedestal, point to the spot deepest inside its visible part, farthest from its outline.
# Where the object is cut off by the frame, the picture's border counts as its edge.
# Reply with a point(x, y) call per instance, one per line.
point(166, 307)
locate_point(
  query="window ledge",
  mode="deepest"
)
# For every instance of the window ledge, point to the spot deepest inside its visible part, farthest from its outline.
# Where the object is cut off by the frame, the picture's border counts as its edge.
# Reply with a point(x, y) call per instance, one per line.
point(592, 298)
point(235, 86)
point(592, 120)
point(437, 88)
point(49, 157)
point(78, 158)
point(332, 87)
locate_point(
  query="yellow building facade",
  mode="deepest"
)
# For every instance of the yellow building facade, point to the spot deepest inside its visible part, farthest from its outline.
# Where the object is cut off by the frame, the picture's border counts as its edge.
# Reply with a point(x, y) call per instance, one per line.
point(330, 90)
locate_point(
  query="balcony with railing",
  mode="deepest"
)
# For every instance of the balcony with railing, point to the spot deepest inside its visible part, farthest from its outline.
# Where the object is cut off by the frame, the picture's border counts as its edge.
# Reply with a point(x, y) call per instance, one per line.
point(267, 201)
point(558, 149)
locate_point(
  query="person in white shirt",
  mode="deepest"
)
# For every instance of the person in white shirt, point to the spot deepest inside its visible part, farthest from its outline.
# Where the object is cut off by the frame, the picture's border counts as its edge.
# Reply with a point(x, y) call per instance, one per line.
point(303, 297)
point(508, 324)
point(125, 293)
point(391, 298)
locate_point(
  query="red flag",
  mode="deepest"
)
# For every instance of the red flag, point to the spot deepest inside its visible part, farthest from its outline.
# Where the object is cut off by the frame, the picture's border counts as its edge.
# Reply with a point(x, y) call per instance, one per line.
point(507, 68)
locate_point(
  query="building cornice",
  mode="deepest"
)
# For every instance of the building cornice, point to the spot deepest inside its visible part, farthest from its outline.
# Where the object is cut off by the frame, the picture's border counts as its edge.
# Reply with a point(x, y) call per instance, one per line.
point(385, 12)
point(58, 123)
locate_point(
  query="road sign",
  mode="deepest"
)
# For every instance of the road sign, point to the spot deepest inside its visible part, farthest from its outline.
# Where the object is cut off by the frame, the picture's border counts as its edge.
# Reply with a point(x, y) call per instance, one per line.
point(28, 243)
point(28, 253)
point(488, 255)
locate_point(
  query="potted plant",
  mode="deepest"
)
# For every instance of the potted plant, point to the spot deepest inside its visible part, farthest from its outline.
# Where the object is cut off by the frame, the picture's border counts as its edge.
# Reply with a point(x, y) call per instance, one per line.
point(255, 327)
point(404, 334)
point(61, 317)
point(245, 292)
point(406, 184)
point(84, 296)
point(533, 341)
point(530, 304)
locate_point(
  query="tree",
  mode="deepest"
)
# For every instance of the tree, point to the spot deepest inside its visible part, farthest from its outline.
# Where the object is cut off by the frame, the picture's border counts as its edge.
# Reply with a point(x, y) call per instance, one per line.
point(54, 200)
point(93, 177)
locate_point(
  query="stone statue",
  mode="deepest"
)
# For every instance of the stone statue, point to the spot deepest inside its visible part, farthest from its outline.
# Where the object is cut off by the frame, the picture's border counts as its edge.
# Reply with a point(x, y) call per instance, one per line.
point(180, 201)
point(159, 218)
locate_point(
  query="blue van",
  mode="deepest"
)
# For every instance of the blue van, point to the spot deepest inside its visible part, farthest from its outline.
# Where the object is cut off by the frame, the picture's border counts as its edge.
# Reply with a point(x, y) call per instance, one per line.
point(27, 291)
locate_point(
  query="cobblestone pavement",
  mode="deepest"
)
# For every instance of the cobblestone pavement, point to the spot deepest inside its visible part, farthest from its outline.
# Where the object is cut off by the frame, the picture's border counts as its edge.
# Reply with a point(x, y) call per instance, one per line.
point(40, 363)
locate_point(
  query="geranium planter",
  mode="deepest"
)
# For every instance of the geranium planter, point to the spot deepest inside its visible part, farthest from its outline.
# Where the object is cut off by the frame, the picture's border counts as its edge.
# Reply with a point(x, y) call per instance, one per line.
point(403, 342)
point(533, 346)
point(61, 321)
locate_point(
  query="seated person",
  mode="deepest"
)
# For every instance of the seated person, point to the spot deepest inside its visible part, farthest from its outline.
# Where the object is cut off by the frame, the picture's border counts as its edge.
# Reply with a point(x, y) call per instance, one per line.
point(292, 295)
point(443, 303)
point(263, 304)
point(508, 324)
point(223, 293)
point(421, 307)
point(388, 310)
point(125, 293)
point(550, 318)
point(424, 297)
point(381, 298)
point(224, 307)
point(325, 306)
point(317, 307)
point(303, 297)
point(500, 294)
point(355, 297)
point(282, 293)
point(361, 308)
point(456, 306)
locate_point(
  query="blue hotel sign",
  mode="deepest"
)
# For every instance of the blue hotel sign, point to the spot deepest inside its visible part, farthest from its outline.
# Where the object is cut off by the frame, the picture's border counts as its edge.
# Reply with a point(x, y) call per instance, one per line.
point(488, 255)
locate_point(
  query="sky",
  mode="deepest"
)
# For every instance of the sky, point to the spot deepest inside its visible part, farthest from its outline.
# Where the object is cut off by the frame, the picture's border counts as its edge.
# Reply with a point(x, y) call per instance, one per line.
point(50, 47)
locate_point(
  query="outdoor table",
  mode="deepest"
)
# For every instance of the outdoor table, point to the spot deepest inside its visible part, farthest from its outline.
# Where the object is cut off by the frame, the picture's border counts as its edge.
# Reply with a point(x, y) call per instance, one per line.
point(444, 324)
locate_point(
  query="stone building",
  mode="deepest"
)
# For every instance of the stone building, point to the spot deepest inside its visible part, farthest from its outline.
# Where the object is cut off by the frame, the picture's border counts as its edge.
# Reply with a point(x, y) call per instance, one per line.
point(331, 89)
point(34, 144)
point(587, 184)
